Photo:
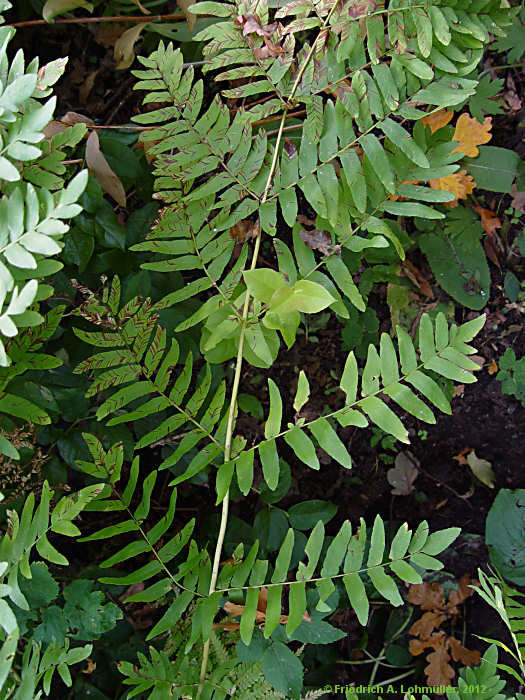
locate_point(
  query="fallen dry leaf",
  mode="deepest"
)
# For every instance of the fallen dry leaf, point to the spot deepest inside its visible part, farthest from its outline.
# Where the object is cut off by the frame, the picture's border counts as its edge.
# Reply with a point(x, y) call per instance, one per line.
point(71, 118)
point(317, 240)
point(427, 596)
point(438, 119)
point(431, 598)
point(251, 24)
point(403, 475)
point(124, 51)
point(464, 591)
point(491, 250)
point(439, 671)
point(518, 199)
point(460, 184)
point(236, 610)
point(417, 278)
point(426, 624)
point(91, 666)
point(466, 656)
point(481, 468)
point(493, 367)
point(489, 220)
point(100, 169)
point(470, 134)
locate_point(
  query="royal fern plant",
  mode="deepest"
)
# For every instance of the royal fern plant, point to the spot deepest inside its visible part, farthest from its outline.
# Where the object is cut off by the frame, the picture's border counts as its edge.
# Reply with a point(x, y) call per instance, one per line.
point(315, 115)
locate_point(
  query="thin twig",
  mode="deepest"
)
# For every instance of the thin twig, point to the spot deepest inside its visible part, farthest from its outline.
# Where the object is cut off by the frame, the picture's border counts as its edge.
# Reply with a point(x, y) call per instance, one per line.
point(92, 20)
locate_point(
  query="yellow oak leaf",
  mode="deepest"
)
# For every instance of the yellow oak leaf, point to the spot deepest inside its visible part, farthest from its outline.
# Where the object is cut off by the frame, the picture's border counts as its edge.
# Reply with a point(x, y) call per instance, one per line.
point(460, 184)
point(470, 134)
point(438, 119)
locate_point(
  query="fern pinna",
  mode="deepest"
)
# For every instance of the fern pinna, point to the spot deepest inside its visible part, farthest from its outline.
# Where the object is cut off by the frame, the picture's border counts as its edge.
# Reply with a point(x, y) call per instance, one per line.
point(344, 87)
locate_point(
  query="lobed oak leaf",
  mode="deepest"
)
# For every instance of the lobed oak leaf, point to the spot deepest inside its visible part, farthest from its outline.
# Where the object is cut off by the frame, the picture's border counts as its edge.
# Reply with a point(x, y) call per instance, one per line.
point(466, 656)
point(460, 184)
point(439, 671)
point(426, 624)
point(470, 134)
point(437, 120)
point(402, 476)
point(428, 596)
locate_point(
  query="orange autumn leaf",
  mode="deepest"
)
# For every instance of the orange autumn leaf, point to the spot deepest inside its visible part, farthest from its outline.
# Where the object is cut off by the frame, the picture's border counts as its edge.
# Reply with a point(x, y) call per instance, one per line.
point(470, 134)
point(493, 367)
point(490, 222)
point(460, 184)
point(438, 119)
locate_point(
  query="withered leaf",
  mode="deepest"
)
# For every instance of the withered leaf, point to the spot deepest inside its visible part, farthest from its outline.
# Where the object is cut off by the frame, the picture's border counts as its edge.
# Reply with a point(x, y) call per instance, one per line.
point(124, 51)
point(428, 596)
point(466, 656)
point(402, 476)
point(100, 169)
point(481, 468)
point(318, 240)
point(489, 220)
point(426, 624)
point(252, 25)
point(463, 592)
point(236, 610)
point(518, 199)
point(439, 671)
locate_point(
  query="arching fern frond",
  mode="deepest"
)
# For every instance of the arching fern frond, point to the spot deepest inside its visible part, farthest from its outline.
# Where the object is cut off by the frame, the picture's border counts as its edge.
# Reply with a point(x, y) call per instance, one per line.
point(509, 603)
point(135, 368)
point(344, 559)
point(154, 541)
point(442, 350)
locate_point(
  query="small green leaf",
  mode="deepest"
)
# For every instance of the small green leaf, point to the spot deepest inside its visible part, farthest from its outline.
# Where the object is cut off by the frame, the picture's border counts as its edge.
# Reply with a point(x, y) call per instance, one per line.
point(303, 392)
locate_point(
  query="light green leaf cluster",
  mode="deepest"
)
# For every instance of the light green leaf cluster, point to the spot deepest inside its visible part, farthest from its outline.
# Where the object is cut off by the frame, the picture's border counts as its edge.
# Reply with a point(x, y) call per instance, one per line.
point(31, 218)
point(26, 533)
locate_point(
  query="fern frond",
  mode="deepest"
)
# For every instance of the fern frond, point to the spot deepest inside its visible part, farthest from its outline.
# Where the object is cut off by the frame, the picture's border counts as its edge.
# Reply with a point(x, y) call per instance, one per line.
point(509, 603)
point(443, 350)
point(344, 559)
point(108, 466)
point(138, 360)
